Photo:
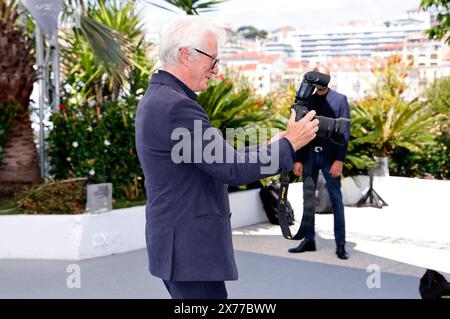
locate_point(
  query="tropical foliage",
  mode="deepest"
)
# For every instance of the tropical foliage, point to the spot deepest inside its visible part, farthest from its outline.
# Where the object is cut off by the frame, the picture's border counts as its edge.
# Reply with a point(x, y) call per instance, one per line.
point(438, 97)
point(224, 106)
point(98, 146)
point(19, 166)
point(250, 32)
point(385, 122)
point(236, 106)
point(282, 99)
point(191, 7)
point(87, 80)
point(441, 28)
point(111, 47)
point(434, 160)
point(93, 134)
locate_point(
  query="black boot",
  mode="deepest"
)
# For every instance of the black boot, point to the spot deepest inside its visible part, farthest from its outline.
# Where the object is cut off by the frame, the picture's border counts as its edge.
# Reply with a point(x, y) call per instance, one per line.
point(304, 246)
point(340, 252)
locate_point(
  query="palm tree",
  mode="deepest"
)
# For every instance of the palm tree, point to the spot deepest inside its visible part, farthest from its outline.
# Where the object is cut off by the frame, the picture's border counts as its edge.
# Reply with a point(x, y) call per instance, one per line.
point(191, 7)
point(19, 165)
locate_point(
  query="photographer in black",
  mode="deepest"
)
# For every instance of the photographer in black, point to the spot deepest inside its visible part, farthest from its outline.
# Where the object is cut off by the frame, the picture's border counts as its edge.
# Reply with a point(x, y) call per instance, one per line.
point(328, 157)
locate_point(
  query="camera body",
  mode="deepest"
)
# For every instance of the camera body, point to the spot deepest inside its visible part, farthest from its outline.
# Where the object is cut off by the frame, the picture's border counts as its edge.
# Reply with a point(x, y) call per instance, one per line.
point(330, 128)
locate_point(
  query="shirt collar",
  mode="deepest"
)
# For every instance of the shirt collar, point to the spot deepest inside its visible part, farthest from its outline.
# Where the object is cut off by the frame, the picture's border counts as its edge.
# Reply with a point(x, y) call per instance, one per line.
point(191, 94)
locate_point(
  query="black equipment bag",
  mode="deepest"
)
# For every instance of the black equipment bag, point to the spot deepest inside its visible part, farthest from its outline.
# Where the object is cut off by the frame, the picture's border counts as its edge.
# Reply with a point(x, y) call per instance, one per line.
point(433, 285)
point(269, 197)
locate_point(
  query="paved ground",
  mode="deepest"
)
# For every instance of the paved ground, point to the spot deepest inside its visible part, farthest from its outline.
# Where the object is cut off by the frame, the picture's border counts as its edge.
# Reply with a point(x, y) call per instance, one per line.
point(267, 239)
point(266, 270)
point(261, 276)
point(400, 240)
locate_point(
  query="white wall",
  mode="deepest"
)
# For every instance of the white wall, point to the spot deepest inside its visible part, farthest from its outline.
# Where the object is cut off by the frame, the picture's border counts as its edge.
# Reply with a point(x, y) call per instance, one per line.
point(76, 237)
point(72, 237)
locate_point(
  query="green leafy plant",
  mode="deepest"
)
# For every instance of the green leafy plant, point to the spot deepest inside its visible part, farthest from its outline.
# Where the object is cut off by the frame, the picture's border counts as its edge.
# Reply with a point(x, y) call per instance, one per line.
point(250, 32)
point(111, 47)
point(98, 146)
point(386, 122)
point(9, 207)
point(438, 96)
point(191, 7)
point(403, 125)
point(442, 26)
point(19, 168)
point(233, 106)
point(93, 134)
point(281, 99)
point(433, 161)
point(231, 102)
point(87, 78)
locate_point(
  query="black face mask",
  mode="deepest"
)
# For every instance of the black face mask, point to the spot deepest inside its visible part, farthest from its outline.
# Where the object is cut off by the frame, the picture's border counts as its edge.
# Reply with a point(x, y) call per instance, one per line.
point(322, 97)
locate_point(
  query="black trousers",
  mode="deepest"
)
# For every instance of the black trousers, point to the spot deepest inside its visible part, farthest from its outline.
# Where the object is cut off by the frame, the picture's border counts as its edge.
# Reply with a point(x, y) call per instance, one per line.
point(196, 289)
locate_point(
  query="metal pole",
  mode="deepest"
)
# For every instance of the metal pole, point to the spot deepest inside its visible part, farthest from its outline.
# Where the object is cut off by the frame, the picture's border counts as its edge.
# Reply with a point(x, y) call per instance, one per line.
point(41, 83)
point(55, 69)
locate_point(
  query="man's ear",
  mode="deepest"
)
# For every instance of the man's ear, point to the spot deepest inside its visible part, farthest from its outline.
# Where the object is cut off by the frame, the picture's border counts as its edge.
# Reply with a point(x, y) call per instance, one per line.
point(184, 55)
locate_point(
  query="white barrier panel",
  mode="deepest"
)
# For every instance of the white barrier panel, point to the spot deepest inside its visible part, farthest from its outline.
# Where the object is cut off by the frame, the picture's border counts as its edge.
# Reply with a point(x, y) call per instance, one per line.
point(72, 237)
point(76, 237)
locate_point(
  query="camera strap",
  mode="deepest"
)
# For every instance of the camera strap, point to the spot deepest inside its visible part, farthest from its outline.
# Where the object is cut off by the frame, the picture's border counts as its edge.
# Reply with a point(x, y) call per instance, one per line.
point(308, 205)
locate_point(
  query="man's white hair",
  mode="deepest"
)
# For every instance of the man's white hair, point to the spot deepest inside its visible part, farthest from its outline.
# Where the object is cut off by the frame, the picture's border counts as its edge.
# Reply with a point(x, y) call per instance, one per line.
point(187, 32)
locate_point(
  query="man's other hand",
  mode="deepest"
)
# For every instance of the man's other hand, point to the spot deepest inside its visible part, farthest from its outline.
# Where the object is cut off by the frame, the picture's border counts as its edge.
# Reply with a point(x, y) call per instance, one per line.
point(336, 168)
point(298, 169)
point(302, 132)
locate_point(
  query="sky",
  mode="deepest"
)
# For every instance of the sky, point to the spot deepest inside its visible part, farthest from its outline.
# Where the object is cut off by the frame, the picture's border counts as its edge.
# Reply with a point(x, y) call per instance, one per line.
point(272, 14)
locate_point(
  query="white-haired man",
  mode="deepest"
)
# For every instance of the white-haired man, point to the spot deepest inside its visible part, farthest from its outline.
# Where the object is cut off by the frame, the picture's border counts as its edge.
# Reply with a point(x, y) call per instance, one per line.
point(188, 229)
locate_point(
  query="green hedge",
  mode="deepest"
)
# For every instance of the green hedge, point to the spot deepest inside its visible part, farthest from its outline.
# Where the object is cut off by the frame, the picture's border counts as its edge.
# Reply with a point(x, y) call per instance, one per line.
point(433, 161)
point(97, 144)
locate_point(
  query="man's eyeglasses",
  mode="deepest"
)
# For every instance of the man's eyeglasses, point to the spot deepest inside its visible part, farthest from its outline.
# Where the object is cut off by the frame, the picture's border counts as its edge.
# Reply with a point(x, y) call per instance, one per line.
point(216, 61)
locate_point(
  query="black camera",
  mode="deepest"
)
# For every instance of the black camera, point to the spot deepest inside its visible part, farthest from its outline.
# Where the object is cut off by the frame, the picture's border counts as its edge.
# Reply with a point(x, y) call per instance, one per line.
point(330, 128)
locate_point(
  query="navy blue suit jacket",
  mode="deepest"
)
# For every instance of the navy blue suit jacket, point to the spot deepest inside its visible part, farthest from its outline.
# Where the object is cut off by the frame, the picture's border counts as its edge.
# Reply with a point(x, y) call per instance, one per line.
point(188, 231)
point(333, 105)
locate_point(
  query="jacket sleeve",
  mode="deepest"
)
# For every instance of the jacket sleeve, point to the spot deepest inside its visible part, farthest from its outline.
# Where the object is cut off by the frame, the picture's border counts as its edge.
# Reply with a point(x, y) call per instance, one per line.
point(195, 141)
point(344, 111)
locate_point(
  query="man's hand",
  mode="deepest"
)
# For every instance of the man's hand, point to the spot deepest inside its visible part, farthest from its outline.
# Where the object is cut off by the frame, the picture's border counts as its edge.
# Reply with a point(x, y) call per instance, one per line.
point(298, 169)
point(302, 132)
point(336, 168)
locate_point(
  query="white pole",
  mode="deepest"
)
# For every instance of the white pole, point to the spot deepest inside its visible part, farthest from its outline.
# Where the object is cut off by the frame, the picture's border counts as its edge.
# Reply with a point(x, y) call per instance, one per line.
point(42, 88)
point(55, 69)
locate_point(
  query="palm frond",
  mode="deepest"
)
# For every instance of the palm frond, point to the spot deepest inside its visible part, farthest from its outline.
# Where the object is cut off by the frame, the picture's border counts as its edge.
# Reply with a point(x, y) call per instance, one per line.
point(109, 46)
point(8, 11)
point(231, 107)
point(191, 7)
point(360, 162)
point(159, 6)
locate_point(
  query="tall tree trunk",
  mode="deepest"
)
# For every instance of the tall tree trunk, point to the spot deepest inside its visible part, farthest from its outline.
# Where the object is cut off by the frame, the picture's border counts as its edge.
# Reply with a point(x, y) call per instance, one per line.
point(19, 167)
